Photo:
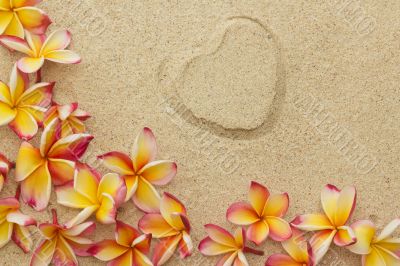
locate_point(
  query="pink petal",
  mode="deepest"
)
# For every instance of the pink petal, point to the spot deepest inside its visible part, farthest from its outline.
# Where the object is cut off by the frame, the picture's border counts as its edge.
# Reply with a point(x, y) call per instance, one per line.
point(15, 43)
point(19, 218)
point(258, 196)
point(281, 260)
point(209, 247)
point(22, 237)
point(345, 236)
point(43, 254)
point(58, 40)
point(155, 224)
point(33, 19)
point(220, 235)
point(71, 147)
point(242, 214)
point(159, 172)
point(125, 234)
point(164, 250)
point(117, 162)
point(279, 229)
point(258, 232)
point(145, 149)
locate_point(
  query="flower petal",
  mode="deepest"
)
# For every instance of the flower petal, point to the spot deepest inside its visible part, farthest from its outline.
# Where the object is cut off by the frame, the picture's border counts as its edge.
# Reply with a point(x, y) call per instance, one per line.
point(58, 40)
point(15, 28)
point(71, 147)
point(33, 19)
point(22, 237)
point(145, 149)
point(297, 247)
point(86, 181)
point(28, 160)
point(312, 222)
point(164, 250)
point(6, 230)
point(242, 214)
point(63, 254)
point(68, 196)
point(125, 234)
point(209, 247)
point(320, 243)
point(5, 19)
point(22, 3)
point(277, 205)
point(240, 260)
point(38, 95)
point(345, 236)
point(374, 258)
point(30, 64)
point(170, 205)
point(125, 259)
point(228, 259)
point(5, 94)
point(107, 211)
point(48, 230)
point(142, 243)
point(345, 206)
point(258, 196)
point(82, 216)
point(155, 224)
point(365, 232)
point(43, 254)
point(107, 250)
point(114, 186)
point(61, 171)
point(80, 230)
point(24, 125)
point(131, 182)
point(36, 189)
point(140, 259)
point(240, 237)
point(63, 57)
point(389, 229)
point(15, 43)
point(185, 246)
point(159, 172)
point(279, 229)
point(281, 260)
point(17, 217)
point(220, 235)
point(258, 232)
point(50, 135)
point(19, 82)
point(7, 114)
point(329, 199)
point(146, 197)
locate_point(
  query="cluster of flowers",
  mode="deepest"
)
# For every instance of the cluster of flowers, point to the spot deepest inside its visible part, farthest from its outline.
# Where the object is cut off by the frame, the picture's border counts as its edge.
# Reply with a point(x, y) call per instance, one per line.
point(26, 107)
point(263, 217)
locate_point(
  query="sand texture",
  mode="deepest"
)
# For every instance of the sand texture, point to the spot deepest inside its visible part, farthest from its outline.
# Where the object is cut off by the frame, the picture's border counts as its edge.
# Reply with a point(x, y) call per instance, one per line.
point(292, 94)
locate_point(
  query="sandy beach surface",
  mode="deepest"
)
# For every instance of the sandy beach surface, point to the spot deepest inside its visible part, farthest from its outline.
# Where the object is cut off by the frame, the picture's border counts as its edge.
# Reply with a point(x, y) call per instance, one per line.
point(291, 94)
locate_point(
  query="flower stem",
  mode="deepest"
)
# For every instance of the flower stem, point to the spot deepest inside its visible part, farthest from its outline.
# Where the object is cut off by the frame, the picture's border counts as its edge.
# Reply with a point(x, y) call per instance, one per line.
point(253, 251)
point(18, 192)
point(54, 213)
point(39, 76)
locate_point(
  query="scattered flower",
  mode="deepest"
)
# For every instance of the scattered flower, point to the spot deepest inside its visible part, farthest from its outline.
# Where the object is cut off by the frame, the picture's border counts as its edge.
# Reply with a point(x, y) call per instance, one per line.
point(13, 224)
point(263, 215)
point(376, 251)
point(5, 167)
point(130, 247)
point(221, 242)
point(17, 15)
point(141, 172)
point(38, 48)
point(299, 250)
point(172, 226)
point(331, 226)
point(53, 162)
point(69, 116)
point(92, 194)
point(61, 244)
point(23, 107)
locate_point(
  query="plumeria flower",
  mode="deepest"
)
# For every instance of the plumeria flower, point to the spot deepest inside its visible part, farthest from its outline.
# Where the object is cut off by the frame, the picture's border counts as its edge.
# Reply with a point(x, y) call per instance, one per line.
point(54, 162)
point(338, 206)
point(69, 116)
point(130, 247)
point(38, 48)
point(13, 224)
point(221, 242)
point(92, 194)
point(263, 215)
point(141, 172)
point(61, 244)
point(382, 250)
point(17, 15)
point(172, 226)
point(300, 252)
point(5, 167)
point(23, 107)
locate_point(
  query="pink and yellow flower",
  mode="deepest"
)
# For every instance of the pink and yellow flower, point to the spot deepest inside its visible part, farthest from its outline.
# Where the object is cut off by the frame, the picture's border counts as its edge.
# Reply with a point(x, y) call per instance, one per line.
point(54, 162)
point(13, 224)
point(69, 116)
point(221, 242)
point(17, 15)
point(61, 244)
point(38, 48)
point(141, 172)
point(23, 107)
point(129, 248)
point(263, 215)
point(379, 250)
point(92, 194)
point(172, 226)
point(5, 167)
point(338, 206)
point(299, 251)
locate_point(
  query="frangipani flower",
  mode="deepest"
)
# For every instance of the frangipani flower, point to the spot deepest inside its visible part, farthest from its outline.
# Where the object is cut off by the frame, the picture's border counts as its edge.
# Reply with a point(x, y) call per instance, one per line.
point(23, 107)
point(61, 244)
point(17, 15)
point(69, 116)
point(221, 242)
point(263, 214)
point(141, 172)
point(299, 250)
point(38, 48)
point(130, 248)
point(13, 224)
point(92, 194)
point(382, 250)
point(172, 226)
point(54, 161)
point(5, 167)
point(331, 226)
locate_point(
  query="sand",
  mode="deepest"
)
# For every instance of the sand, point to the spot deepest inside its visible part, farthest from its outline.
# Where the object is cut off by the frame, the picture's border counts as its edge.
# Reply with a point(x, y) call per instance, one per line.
point(292, 94)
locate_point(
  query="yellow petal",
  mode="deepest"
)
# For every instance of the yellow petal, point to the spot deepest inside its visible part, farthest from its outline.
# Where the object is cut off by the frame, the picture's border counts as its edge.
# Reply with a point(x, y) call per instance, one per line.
point(125, 234)
point(33, 19)
point(329, 199)
point(24, 125)
point(258, 196)
point(7, 114)
point(63, 57)
point(5, 95)
point(64, 255)
point(58, 40)
point(240, 237)
point(86, 181)
point(242, 214)
point(5, 19)
point(145, 149)
point(21, 3)
point(49, 136)
point(365, 232)
point(19, 82)
point(258, 232)
point(22, 237)
point(82, 216)
point(28, 160)
point(374, 258)
point(68, 196)
point(170, 205)
point(107, 250)
point(107, 211)
point(15, 28)
point(39, 95)
point(320, 243)
point(117, 162)
point(164, 250)
point(155, 224)
point(277, 205)
point(5, 4)
point(312, 222)
point(159, 172)
point(61, 171)
point(43, 254)
point(146, 197)
point(131, 183)
point(345, 206)
point(30, 64)
point(114, 186)
point(6, 229)
point(297, 246)
point(209, 247)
